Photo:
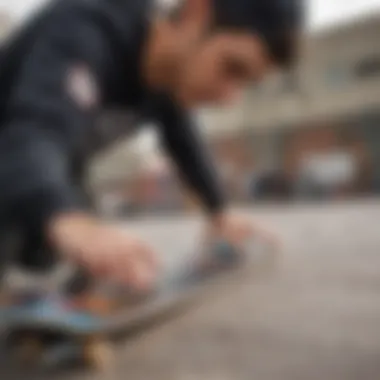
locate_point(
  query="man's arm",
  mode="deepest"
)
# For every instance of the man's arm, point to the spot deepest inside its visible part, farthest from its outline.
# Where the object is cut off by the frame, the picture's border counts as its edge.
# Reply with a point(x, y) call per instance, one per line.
point(46, 123)
point(185, 146)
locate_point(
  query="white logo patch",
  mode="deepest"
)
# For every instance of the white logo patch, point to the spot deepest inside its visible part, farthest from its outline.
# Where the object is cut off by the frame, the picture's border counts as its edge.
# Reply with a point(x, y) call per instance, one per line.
point(82, 86)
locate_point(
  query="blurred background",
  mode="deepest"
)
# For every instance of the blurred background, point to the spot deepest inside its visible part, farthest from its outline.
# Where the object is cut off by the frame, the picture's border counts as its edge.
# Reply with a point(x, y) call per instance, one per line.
point(301, 154)
point(313, 135)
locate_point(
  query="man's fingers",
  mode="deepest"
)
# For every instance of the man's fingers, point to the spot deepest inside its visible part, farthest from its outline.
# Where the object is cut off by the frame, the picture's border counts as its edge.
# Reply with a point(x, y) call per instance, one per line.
point(136, 265)
point(147, 264)
point(136, 274)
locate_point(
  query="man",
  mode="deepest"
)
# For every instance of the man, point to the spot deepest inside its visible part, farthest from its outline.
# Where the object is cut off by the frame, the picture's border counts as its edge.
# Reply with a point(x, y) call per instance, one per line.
point(77, 57)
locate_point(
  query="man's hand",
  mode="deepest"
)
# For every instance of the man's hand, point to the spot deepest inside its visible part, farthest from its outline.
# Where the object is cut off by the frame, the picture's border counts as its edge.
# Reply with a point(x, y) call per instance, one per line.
point(237, 230)
point(104, 250)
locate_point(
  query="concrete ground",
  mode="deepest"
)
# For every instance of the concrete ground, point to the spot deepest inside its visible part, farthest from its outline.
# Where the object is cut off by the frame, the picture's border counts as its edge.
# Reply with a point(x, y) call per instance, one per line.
point(315, 316)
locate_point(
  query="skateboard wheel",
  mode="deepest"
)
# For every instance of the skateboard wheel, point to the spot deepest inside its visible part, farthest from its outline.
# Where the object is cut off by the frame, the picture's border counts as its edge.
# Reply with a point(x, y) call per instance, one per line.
point(97, 355)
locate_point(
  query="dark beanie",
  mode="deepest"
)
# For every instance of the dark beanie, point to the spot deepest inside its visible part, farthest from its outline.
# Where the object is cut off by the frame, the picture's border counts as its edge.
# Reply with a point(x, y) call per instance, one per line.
point(278, 22)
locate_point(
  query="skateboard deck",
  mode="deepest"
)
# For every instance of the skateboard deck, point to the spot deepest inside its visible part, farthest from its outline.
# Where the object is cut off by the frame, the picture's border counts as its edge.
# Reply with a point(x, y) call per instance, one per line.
point(52, 328)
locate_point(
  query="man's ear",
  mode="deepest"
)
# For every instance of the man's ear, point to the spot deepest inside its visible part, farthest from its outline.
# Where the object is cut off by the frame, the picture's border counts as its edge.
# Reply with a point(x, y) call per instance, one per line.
point(195, 16)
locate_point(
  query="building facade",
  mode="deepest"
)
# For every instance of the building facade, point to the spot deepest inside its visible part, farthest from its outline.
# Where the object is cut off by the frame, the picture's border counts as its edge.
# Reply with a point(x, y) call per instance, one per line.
point(322, 122)
point(330, 108)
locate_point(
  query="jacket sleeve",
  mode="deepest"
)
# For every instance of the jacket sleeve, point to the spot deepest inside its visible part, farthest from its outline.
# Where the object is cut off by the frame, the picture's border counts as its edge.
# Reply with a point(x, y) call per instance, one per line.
point(48, 118)
point(184, 144)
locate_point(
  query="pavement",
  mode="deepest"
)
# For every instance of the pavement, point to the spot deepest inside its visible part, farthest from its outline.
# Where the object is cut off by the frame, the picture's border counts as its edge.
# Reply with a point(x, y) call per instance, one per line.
point(314, 315)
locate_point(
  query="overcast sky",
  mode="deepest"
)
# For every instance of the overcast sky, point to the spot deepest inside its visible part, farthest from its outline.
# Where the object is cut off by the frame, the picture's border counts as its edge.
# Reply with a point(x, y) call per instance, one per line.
point(322, 12)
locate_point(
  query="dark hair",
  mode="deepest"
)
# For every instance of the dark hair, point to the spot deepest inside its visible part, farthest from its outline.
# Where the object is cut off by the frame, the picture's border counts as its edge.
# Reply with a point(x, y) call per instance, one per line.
point(278, 22)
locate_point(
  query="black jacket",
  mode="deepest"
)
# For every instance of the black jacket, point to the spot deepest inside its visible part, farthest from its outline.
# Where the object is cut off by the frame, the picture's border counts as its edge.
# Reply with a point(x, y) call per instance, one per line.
point(48, 118)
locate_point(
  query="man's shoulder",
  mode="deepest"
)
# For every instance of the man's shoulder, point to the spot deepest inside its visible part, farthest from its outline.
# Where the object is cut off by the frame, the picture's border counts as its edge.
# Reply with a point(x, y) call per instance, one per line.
point(112, 13)
point(118, 12)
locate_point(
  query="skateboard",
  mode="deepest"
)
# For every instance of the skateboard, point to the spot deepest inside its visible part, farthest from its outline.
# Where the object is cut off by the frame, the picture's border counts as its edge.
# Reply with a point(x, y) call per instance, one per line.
point(50, 329)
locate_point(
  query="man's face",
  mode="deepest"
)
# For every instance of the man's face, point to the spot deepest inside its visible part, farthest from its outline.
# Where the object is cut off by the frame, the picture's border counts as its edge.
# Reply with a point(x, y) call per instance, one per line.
point(218, 68)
